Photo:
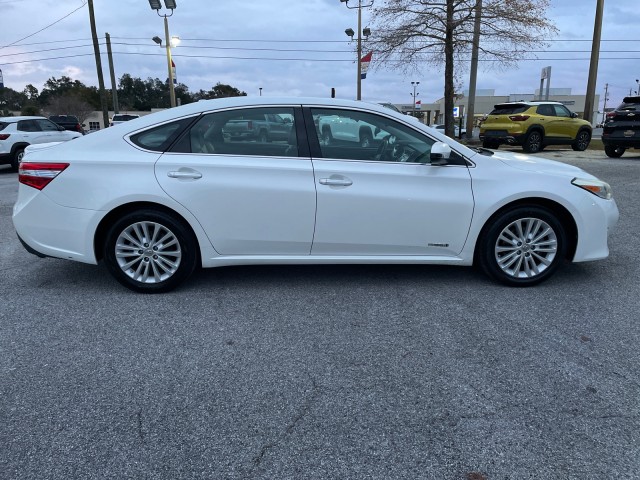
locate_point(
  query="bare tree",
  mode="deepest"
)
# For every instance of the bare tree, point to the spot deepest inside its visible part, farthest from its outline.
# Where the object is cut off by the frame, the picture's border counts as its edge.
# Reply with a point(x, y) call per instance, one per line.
point(411, 33)
point(69, 105)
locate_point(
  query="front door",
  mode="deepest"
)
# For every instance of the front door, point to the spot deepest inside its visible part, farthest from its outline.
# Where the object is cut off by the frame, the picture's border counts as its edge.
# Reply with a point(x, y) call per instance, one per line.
point(387, 199)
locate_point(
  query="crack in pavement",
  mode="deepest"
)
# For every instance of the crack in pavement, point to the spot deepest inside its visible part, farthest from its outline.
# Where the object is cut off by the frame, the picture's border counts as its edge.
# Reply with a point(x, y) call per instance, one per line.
point(304, 411)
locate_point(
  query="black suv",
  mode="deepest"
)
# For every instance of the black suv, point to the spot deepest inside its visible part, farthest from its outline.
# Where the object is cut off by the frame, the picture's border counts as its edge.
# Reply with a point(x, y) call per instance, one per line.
point(69, 122)
point(622, 128)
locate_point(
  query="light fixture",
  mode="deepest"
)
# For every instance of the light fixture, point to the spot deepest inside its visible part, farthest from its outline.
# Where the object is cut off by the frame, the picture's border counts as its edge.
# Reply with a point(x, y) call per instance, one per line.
point(158, 40)
point(155, 4)
point(350, 32)
point(366, 31)
point(170, 4)
point(175, 40)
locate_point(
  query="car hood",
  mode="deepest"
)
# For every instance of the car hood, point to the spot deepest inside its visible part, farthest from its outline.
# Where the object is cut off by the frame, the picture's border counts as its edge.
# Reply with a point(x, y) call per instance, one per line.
point(538, 164)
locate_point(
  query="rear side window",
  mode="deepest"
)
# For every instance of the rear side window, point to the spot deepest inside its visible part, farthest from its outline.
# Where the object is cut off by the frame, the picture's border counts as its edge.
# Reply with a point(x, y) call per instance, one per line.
point(629, 107)
point(28, 126)
point(159, 139)
point(3, 125)
point(509, 109)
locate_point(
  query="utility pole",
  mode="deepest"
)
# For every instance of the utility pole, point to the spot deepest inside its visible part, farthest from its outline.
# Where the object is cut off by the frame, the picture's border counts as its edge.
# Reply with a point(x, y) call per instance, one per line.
point(96, 51)
point(471, 103)
point(593, 68)
point(114, 90)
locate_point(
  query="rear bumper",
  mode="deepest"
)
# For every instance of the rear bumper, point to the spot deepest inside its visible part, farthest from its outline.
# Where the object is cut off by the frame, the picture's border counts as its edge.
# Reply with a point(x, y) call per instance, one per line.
point(631, 142)
point(503, 136)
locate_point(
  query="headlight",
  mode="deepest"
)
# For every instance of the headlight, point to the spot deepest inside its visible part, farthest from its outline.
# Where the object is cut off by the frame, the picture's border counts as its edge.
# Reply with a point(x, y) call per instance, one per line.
point(597, 187)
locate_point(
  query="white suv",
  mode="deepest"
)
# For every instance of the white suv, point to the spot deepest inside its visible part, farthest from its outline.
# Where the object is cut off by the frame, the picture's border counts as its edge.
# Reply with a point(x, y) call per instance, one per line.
point(17, 133)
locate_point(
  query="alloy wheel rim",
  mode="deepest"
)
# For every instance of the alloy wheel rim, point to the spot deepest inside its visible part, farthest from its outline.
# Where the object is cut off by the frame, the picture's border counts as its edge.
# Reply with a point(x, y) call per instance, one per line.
point(583, 142)
point(148, 252)
point(526, 248)
point(534, 142)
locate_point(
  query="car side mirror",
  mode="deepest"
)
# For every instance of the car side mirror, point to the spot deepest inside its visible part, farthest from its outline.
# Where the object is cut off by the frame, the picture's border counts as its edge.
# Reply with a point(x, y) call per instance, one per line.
point(574, 115)
point(60, 128)
point(440, 153)
point(286, 120)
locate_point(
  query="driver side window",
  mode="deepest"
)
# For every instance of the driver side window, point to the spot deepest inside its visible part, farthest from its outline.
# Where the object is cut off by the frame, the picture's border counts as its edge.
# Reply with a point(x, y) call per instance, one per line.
point(353, 135)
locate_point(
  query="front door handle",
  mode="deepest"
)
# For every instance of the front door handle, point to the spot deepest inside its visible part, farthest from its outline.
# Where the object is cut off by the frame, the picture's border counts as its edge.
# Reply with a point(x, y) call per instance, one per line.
point(184, 174)
point(336, 182)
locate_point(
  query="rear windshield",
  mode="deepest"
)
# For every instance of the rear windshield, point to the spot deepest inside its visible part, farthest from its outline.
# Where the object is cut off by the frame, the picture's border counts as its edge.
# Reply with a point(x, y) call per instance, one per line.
point(124, 118)
point(508, 109)
point(63, 118)
point(629, 107)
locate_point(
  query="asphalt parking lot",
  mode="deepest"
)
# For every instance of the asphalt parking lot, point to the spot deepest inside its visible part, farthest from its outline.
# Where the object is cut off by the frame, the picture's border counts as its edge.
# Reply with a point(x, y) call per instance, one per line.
point(346, 372)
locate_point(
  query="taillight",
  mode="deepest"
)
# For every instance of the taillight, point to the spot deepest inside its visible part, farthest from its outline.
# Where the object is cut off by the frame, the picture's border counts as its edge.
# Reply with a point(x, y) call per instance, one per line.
point(519, 118)
point(4, 136)
point(39, 175)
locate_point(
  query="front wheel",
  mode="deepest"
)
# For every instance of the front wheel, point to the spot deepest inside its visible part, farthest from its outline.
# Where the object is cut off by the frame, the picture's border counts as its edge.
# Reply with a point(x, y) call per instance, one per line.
point(523, 246)
point(582, 141)
point(150, 251)
point(613, 152)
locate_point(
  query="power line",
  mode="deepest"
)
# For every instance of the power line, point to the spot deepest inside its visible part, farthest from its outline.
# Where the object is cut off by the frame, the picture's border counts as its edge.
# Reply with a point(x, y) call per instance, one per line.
point(43, 29)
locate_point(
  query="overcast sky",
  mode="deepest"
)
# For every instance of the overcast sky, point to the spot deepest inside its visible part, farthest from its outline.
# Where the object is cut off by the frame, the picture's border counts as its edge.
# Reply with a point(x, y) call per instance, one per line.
point(238, 42)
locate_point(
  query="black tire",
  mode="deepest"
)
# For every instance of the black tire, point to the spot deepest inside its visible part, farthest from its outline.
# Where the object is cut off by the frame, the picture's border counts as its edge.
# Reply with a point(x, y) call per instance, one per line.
point(521, 262)
point(366, 138)
point(533, 142)
point(493, 144)
point(17, 158)
point(614, 152)
point(170, 259)
point(582, 141)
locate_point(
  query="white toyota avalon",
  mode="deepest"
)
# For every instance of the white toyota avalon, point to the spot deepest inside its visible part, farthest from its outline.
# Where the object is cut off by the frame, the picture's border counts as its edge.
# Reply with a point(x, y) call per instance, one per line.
point(245, 180)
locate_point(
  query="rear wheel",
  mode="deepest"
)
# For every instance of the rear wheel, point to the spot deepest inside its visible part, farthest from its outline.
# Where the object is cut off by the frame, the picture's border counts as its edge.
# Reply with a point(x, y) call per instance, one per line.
point(582, 141)
point(17, 158)
point(523, 246)
point(533, 142)
point(613, 152)
point(150, 251)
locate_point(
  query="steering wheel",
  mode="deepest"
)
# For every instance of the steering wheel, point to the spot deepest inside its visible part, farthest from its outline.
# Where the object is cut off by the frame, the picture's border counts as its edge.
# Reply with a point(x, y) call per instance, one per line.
point(382, 151)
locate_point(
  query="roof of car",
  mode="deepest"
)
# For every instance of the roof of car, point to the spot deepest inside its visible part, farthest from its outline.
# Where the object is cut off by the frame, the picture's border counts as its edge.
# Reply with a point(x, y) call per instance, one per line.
point(631, 99)
point(17, 119)
point(530, 103)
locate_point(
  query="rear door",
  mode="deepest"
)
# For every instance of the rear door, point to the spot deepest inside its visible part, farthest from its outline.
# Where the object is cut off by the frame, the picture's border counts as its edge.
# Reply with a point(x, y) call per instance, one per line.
point(251, 197)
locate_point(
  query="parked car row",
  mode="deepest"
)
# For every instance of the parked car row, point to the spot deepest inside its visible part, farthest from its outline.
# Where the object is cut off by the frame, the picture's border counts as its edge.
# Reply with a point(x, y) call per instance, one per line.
point(17, 133)
point(193, 196)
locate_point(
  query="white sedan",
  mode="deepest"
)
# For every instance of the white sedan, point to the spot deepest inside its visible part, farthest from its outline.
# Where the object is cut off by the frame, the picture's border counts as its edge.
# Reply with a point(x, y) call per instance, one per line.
point(168, 192)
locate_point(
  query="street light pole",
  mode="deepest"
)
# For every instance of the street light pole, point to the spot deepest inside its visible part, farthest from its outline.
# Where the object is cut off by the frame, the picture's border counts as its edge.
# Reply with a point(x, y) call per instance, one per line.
point(169, 5)
point(415, 85)
point(359, 44)
point(172, 90)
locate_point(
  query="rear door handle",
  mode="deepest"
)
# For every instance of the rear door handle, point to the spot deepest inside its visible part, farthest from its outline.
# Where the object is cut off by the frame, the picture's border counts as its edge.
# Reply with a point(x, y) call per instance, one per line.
point(336, 182)
point(185, 174)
